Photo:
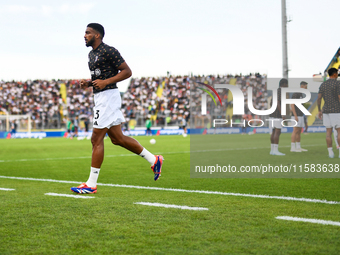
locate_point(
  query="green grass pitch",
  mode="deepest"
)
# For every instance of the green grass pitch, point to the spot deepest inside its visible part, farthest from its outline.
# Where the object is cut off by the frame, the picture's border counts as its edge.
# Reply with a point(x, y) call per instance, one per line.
point(111, 223)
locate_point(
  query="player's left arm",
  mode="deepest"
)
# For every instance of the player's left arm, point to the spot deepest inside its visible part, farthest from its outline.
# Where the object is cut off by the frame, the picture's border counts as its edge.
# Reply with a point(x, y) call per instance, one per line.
point(124, 73)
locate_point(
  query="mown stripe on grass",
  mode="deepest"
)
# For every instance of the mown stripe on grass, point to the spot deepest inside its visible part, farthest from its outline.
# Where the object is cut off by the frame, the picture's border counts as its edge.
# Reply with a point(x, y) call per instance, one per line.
point(316, 221)
point(158, 153)
point(309, 200)
point(183, 207)
point(66, 195)
point(6, 189)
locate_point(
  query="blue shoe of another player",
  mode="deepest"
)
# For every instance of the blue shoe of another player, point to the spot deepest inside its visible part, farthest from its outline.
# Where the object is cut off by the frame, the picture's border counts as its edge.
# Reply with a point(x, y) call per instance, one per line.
point(84, 189)
point(157, 167)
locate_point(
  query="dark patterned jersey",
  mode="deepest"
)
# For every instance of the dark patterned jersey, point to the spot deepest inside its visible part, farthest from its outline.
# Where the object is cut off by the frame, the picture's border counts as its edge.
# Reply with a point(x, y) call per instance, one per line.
point(297, 95)
point(330, 90)
point(277, 112)
point(103, 63)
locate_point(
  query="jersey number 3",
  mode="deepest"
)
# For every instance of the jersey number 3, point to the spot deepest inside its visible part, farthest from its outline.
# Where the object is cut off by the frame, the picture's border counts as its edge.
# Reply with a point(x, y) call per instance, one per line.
point(97, 115)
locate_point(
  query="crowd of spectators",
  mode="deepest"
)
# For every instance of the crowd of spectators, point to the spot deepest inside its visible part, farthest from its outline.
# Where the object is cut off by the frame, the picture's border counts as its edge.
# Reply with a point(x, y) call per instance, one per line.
point(164, 100)
point(43, 101)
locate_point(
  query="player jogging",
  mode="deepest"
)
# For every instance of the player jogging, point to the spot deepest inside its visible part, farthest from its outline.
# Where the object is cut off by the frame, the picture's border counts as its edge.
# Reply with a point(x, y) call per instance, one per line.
point(275, 123)
point(330, 92)
point(298, 117)
point(107, 68)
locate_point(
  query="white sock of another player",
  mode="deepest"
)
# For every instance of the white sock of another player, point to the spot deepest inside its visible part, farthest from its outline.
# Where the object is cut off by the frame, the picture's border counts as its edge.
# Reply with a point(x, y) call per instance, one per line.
point(298, 145)
point(272, 147)
point(292, 146)
point(335, 133)
point(330, 151)
point(148, 156)
point(276, 147)
point(92, 181)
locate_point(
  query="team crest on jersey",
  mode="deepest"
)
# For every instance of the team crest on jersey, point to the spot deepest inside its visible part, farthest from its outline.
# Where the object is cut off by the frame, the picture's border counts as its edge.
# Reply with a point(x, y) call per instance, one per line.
point(97, 72)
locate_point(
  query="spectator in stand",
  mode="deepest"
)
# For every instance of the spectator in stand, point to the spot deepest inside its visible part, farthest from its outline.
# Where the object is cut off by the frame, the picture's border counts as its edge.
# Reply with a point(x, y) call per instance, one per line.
point(13, 128)
point(69, 128)
point(76, 126)
point(148, 125)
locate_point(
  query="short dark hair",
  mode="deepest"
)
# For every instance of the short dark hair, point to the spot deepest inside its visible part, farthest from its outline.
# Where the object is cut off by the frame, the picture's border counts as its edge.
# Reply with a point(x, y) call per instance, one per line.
point(303, 83)
point(332, 71)
point(99, 28)
point(283, 82)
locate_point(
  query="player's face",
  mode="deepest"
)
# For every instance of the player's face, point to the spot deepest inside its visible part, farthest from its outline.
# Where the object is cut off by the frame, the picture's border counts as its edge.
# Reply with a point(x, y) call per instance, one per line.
point(89, 36)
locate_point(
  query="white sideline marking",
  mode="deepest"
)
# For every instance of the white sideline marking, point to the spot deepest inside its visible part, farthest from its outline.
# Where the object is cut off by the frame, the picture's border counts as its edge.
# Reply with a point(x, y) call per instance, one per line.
point(66, 195)
point(129, 155)
point(310, 200)
point(323, 222)
point(183, 207)
point(6, 189)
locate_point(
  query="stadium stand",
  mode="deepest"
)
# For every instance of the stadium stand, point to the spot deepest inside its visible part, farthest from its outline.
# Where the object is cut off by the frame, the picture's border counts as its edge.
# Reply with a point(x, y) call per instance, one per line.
point(166, 100)
point(44, 101)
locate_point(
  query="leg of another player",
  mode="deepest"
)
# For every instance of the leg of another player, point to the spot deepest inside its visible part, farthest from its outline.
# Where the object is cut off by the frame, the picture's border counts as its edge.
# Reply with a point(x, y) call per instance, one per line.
point(293, 140)
point(335, 134)
point(298, 139)
point(277, 133)
point(272, 141)
point(306, 123)
point(329, 142)
point(338, 139)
